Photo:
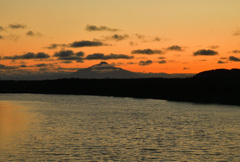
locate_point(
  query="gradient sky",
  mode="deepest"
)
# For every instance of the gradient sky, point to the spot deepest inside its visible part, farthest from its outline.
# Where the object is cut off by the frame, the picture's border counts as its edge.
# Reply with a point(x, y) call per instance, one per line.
point(173, 36)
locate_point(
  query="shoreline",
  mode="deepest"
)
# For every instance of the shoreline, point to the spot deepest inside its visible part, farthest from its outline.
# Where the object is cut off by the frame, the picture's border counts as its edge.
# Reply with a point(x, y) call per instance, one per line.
point(205, 91)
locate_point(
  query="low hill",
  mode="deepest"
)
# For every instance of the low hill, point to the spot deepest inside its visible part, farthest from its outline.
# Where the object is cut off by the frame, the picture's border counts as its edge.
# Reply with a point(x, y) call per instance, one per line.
point(219, 74)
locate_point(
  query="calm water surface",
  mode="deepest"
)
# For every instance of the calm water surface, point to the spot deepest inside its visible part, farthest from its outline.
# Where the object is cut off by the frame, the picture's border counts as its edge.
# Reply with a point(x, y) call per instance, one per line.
point(91, 128)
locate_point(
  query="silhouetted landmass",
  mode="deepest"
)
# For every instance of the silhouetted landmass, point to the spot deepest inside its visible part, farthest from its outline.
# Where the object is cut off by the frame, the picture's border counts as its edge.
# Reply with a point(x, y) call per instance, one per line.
point(219, 74)
point(205, 87)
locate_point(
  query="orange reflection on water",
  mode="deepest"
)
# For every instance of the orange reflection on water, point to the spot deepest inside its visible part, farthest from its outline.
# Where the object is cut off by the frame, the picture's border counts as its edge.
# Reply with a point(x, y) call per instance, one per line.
point(13, 119)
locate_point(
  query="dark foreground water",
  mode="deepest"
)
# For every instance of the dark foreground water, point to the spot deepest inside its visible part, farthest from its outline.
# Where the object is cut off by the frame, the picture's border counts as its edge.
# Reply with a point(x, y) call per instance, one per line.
point(92, 128)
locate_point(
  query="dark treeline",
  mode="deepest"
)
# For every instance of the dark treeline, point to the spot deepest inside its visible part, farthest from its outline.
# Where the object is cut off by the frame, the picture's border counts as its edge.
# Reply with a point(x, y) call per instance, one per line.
point(223, 91)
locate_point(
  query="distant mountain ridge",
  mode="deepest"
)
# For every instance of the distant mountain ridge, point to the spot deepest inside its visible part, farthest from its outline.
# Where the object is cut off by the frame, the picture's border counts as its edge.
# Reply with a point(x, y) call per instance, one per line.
point(104, 70)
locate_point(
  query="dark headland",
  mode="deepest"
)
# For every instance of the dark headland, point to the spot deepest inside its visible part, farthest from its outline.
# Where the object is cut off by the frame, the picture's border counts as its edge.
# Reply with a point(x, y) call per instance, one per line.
point(215, 86)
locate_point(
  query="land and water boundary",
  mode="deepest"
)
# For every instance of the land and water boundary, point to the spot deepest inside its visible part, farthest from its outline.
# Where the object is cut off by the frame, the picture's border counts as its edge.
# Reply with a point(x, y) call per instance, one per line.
point(198, 90)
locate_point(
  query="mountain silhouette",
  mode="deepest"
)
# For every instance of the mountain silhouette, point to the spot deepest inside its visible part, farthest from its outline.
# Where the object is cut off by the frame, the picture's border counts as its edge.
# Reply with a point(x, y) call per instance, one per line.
point(103, 70)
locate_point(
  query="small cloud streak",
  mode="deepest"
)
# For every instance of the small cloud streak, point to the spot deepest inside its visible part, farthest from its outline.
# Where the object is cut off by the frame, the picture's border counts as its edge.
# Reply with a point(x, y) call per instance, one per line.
point(117, 37)
point(221, 62)
point(17, 26)
point(144, 63)
point(204, 52)
point(54, 46)
point(146, 51)
point(162, 62)
point(33, 34)
point(236, 51)
point(29, 55)
point(214, 47)
point(175, 48)
point(100, 28)
point(85, 43)
point(233, 58)
point(101, 56)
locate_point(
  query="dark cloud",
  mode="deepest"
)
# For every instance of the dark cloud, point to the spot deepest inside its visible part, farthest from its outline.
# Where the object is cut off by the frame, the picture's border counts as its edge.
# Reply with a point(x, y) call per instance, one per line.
point(100, 56)
point(85, 43)
point(204, 52)
point(1, 37)
point(4, 67)
point(175, 48)
point(117, 37)
point(236, 51)
point(100, 28)
point(28, 55)
point(221, 62)
point(233, 58)
point(23, 66)
point(146, 51)
point(17, 26)
point(162, 62)
point(32, 34)
point(69, 55)
point(144, 63)
point(185, 68)
point(78, 44)
point(1, 28)
point(213, 47)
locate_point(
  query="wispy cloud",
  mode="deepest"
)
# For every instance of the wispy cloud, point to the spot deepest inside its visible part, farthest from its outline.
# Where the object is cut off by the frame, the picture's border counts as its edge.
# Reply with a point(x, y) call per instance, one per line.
point(236, 51)
point(17, 26)
point(101, 56)
point(147, 51)
point(117, 37)
point(236, 33)
point(86, 43)
point(175, 48)
point(144, 63)
point(29, 55)
point(33, 34)
point(221, 62)
point(162, 62)
point(100, 28)
point(214, 47)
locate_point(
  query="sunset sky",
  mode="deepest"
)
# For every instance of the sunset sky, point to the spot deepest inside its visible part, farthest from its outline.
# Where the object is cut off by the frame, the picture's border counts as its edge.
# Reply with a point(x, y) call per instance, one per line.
point(171, 36)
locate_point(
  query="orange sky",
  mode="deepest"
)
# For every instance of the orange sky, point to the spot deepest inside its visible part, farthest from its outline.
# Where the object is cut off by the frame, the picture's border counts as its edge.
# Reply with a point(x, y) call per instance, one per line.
point(210, 29)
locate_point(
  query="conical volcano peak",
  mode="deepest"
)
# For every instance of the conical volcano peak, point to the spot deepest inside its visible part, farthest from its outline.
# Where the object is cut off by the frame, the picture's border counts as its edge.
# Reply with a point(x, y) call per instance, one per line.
point(103, 63)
